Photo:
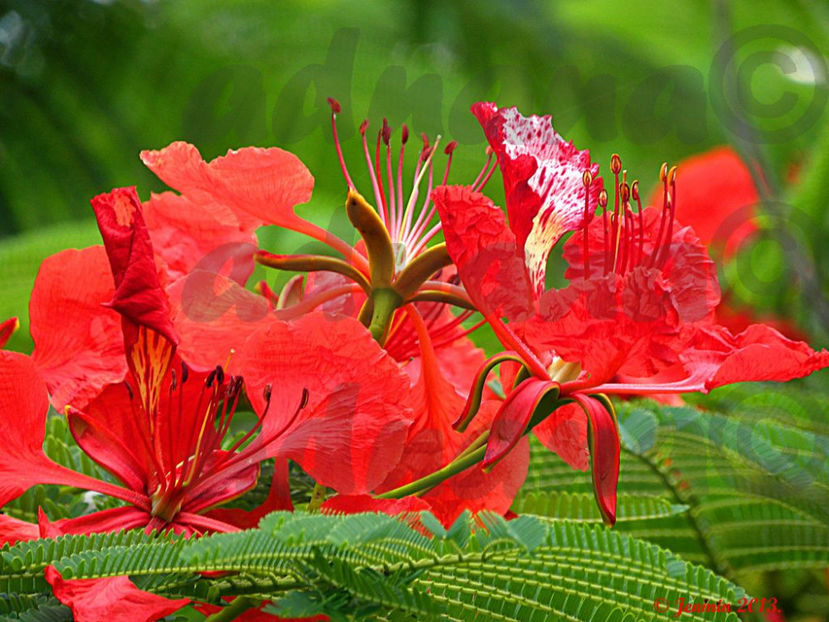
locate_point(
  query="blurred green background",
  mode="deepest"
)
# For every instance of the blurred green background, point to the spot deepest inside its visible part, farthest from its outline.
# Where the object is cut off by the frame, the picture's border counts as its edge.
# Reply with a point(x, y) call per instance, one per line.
point(85, 85)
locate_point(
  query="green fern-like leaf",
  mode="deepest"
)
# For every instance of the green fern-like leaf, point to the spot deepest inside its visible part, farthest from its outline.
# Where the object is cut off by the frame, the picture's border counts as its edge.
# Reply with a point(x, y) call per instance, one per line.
point(581, 506)
point(755, 480)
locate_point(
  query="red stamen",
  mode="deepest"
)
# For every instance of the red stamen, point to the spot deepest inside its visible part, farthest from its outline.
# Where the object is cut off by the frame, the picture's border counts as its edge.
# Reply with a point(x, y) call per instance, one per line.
point(663, 175)
point(634, 190)
point(671, 215)
point(587, 179)
point(335, 110)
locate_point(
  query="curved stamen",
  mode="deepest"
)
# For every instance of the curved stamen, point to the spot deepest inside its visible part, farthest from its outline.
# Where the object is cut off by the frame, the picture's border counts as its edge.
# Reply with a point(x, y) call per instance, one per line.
point(335, 110)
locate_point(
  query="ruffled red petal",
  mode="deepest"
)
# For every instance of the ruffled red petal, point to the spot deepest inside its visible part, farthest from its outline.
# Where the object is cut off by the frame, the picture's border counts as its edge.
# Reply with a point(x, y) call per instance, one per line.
point(485, 251)
point(261, 186)
point(279, 498)
point(543, 181)
point(105, 600)
point(23, 408)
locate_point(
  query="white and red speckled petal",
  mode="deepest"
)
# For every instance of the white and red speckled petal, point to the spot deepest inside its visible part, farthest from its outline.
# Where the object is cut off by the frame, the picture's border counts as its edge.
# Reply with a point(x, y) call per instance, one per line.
point(543, 181)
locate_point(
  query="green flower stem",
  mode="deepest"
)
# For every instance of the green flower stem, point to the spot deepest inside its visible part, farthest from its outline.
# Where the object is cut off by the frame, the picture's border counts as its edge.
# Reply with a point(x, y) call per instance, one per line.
point(386, 301)
point(461, 463)
point(474, 445)
point(237, 607)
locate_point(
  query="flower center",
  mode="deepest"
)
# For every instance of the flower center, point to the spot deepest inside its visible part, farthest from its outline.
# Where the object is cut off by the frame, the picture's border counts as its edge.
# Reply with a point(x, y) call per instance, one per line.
point(410, 222)
point(189, 425)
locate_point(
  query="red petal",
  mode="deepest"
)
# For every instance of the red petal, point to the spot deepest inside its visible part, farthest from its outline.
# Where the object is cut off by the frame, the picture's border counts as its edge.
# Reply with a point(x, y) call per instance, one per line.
point(565, 433)
point(351, 433)
point(543, 181)
point(15, 530)
point(353, 504)
point(279, 498)
point(485, 251)
point(188, 235)
point(86, 352)
point(7, 328)
point(716, 196)
point(259, 185)
point(688, 274)
point(105, 600)
point(213, 316)
point(514, 416)
point(138, 294)
point(758, 353)
point(23, 408)
point(440, 385)
point(604, 454)
point(113, 519)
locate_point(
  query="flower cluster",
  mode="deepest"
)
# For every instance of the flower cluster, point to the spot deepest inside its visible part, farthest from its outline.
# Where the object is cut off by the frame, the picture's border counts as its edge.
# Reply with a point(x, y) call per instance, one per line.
point(360, 371)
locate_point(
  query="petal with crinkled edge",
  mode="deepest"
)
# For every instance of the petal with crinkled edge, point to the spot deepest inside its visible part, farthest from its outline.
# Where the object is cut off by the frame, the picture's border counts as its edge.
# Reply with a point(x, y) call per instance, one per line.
point(138, 294)
point(352, 430)
point(543, 181)
point(261, 186)
point(79, 346)
point(484, 250)
point(106, 600)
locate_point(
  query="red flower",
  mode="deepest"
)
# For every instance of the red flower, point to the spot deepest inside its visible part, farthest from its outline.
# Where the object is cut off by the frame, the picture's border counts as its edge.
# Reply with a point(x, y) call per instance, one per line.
point(640, 304)
point(160, 433)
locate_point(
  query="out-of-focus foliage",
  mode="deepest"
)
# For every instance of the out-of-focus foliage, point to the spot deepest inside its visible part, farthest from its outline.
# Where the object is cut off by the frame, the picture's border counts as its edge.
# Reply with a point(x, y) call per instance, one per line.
point(84, 85)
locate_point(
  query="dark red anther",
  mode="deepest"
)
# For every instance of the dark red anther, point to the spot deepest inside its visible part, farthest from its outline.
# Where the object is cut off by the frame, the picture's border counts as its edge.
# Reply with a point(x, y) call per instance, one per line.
point(185, 372)
point(220, 374)
point(211, 378)
point(450, 147)
point(303, 402)
point(364, 127)
point(425, 140)
point(129, 390)
point(335, 105)
point(173, 380)
point(404, 134)
point(266, 393)
point(615, 164)
point(386, 132)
